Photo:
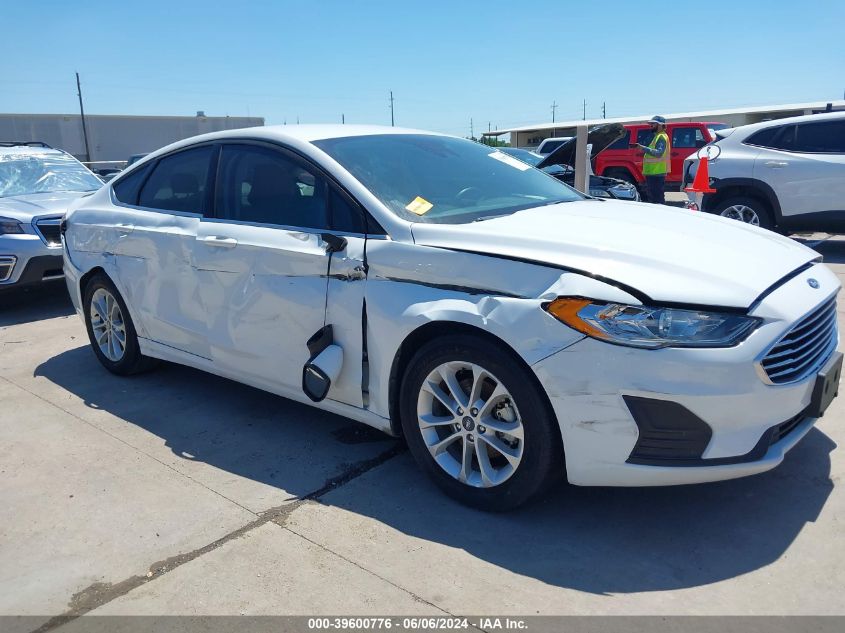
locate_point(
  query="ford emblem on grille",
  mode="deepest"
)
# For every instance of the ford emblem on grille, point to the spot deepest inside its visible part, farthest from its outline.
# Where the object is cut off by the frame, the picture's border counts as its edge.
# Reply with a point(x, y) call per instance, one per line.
point(813, 283)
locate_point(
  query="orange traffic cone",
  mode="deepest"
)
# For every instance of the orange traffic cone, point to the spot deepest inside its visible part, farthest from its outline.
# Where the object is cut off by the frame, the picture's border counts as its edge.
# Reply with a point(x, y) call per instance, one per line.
point(701, 182)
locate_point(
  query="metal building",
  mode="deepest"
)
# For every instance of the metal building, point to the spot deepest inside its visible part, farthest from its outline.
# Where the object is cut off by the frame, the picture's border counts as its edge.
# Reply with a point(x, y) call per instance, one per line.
point(530, 136)
point(113, 137)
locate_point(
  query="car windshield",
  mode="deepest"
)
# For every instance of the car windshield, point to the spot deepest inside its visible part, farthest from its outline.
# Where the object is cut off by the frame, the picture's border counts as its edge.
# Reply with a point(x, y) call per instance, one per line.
point(522, 154)
point(22, 174)
point(442, 179)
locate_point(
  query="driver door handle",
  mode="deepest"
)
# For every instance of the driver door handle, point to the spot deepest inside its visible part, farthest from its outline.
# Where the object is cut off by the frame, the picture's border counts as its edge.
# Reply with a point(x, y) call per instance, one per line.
point(776, 163)
point(220, 241)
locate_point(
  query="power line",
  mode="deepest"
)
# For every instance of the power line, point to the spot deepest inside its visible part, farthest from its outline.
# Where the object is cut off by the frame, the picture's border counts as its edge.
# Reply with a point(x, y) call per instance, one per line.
point(82, 115)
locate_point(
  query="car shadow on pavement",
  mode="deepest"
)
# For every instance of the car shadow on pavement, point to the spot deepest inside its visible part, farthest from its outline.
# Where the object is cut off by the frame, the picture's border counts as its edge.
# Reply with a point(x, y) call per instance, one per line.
point(24, 305)
point(597, 540)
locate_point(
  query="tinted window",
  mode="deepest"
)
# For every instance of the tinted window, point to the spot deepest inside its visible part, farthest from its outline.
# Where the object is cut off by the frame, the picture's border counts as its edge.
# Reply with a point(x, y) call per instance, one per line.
point(547, 147)
point(430, 178)
point(345, 216)
point(644, 136)
point(687, 138)
point(179, 181)
point(126, 188)
point(763, 138)
point(623, 142)
point(257, 184)
point(821, 137)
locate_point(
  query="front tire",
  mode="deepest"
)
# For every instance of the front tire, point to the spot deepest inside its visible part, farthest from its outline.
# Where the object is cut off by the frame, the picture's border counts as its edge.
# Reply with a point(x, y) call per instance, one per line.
point(110, 329)
point(478, 425)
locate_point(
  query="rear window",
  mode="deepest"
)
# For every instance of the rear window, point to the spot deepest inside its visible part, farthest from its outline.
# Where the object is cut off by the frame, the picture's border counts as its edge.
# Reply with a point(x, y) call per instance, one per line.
point(179, 181)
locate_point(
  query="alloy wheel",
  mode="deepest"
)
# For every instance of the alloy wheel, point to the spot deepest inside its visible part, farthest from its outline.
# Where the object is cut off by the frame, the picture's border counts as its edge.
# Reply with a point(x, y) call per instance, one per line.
point(108, 325)
point(743, 213)
point(470, 424)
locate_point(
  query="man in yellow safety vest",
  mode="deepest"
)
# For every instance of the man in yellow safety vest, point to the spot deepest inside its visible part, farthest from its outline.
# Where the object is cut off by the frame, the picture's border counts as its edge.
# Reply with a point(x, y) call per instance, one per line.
point(656, 163)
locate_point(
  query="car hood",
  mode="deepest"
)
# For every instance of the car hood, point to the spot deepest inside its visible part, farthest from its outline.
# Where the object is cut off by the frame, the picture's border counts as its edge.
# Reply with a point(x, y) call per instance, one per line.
point(27, 207)
point(600, 138)
point(669, 254)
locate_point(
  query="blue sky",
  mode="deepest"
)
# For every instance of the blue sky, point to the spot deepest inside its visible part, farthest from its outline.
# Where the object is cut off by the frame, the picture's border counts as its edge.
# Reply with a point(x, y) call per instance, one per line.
point(499, 63)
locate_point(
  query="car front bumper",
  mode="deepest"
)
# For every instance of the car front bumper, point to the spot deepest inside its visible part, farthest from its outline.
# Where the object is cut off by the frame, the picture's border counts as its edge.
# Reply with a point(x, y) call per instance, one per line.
point(26, 260)
point(596, 388)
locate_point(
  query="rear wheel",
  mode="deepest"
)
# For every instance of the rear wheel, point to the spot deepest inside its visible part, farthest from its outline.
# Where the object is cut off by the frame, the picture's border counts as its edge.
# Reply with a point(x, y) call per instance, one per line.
point(110, 329)
point(746, 209)
point(476, 422)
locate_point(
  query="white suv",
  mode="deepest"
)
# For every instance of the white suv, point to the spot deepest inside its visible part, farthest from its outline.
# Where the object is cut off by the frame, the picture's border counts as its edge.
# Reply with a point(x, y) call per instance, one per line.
point(787, 174)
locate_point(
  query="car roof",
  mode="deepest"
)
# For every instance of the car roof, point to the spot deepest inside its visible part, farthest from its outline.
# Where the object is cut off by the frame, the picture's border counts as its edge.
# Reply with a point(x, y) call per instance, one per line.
point(743, 131)
point(27, 150)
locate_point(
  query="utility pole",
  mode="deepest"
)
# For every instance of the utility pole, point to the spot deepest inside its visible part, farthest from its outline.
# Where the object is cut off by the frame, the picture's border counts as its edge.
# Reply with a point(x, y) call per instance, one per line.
point(343, 118)
point(392, 122)
point(585, 109)
point(554, 107)
point(82, 115)
point(604, 109)
point(471, 130)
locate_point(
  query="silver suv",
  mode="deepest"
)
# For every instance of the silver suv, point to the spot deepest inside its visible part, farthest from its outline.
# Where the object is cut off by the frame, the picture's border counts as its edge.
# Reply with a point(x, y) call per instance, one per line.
point(37, 183)
point(787, 174)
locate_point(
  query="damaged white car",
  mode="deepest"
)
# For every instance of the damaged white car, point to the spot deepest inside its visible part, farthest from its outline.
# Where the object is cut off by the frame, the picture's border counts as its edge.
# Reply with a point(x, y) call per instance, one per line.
point(511, 329)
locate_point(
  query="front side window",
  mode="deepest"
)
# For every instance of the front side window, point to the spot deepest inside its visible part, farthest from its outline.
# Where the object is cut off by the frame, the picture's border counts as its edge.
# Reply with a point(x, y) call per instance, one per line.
point(179, 181)
point(265, 186)
point(645, 136)
point(441, 179)
point(46, 172)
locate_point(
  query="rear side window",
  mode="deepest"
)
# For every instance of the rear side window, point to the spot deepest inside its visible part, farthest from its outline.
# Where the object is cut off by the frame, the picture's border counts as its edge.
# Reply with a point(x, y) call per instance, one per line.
point(127, 188)
point(688, 138)
point(179, 182)
point(764, 138)
point(823, 137)
point(265, 186)
point(623, 142)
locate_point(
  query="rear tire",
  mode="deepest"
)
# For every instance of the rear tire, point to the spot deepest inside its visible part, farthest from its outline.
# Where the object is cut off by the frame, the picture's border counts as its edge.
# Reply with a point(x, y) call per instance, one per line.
point(478, 425)
point(746, 209)
point(110, 329)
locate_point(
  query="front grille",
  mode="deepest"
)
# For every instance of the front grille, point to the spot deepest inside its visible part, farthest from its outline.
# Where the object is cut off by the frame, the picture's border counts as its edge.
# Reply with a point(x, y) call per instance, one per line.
point(805, 347)
point(49, 230)
point(7, 265)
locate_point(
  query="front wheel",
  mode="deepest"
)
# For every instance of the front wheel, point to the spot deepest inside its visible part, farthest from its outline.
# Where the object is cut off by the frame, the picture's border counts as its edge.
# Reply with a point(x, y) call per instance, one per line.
point(477, 424)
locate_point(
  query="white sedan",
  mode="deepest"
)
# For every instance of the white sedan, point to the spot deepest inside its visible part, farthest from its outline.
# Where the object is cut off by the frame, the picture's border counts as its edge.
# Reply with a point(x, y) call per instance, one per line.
point(511, 329)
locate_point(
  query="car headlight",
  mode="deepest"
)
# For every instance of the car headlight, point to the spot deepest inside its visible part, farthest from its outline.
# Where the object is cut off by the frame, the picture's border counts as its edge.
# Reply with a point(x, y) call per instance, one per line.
point(8, 226)
point(651, 327)
point(599, 193)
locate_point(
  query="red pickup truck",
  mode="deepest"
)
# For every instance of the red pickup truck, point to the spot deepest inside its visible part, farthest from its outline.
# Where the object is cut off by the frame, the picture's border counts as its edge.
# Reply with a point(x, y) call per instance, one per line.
point(622, 162)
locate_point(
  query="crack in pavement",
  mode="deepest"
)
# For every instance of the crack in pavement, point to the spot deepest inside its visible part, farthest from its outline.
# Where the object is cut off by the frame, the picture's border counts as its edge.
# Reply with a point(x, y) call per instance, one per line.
point(101, 593)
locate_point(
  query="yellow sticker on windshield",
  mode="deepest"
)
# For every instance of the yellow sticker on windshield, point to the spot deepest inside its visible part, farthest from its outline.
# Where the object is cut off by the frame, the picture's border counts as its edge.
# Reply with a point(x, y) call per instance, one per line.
point(420, 206)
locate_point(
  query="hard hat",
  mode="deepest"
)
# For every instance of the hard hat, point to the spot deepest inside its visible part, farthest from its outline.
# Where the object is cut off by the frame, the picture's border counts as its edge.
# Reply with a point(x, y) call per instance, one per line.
point(658, 119)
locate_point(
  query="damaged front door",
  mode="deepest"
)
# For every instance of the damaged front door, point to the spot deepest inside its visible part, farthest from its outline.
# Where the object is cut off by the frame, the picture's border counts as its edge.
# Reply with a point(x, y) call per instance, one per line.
point(264, 267)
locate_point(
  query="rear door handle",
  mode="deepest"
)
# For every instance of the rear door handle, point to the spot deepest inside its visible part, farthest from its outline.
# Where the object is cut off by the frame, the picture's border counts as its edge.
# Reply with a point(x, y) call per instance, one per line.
point(220, 241)
point(776, 163)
